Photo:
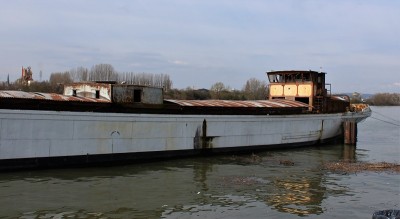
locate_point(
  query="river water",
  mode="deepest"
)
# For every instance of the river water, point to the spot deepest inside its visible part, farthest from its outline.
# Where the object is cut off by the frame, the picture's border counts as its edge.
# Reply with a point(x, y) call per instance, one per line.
point(272, 184)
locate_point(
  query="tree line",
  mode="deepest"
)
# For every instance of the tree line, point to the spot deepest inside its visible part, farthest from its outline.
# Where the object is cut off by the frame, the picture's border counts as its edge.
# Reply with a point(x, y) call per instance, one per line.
point(384, 99)
point(254, 89)
point(106, 72)
point(379, 99)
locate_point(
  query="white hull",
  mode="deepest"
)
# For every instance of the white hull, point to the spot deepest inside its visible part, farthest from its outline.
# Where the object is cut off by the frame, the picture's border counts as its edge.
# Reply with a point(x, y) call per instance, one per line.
point(45, 134)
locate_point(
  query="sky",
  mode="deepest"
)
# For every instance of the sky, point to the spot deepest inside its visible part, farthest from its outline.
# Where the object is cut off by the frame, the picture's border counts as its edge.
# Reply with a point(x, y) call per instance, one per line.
point(199, 43)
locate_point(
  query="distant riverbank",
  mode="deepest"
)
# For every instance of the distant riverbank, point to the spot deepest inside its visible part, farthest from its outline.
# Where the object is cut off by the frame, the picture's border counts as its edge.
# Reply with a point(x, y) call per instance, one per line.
point(379, 99)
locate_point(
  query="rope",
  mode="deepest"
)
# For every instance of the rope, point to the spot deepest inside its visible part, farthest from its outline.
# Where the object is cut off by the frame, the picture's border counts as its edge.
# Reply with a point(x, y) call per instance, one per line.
point(386, 121)
point(387, 117)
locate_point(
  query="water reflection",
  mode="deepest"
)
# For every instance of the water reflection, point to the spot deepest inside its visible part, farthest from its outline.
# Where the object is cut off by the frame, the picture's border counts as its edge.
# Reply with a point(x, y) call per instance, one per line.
point(198, 186)
point(349, 153)
point(298, 189)
point(301, 197)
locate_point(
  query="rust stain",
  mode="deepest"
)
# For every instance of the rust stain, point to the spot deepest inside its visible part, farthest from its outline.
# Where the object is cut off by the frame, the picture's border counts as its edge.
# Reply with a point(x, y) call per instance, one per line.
point(201, 140)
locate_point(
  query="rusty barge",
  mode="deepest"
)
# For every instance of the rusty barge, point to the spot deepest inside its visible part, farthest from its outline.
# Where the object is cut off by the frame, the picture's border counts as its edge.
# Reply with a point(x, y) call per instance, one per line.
point(101, 123)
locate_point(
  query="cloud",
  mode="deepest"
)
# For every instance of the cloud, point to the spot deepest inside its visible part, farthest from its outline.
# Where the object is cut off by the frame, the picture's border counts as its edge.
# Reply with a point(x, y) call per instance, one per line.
point(228, 40)
point(178, 62)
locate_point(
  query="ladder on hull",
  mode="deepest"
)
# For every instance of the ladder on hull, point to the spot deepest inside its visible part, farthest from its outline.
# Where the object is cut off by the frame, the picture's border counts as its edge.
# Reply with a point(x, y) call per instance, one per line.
point(319, 104)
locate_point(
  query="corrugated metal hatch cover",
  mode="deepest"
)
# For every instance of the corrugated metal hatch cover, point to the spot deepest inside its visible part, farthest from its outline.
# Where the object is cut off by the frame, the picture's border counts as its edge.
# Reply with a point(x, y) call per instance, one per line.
point(185, 103)
point(46, 96)
point(238, 103)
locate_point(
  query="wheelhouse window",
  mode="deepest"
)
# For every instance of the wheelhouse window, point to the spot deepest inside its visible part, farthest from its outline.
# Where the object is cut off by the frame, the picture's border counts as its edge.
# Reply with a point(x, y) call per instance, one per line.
point(276, 78)
point(306, 77)
point(292, 77)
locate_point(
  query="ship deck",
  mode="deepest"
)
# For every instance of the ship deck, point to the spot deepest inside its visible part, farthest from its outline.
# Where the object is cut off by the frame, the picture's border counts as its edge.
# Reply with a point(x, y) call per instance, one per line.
point(20, 100)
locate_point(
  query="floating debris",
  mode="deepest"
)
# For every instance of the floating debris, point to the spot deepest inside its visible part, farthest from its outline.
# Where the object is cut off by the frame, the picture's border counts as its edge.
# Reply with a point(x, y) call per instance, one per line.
point(247, 159)
point(241, 180)
point(286, 162)
point(351, 167)
point(256, 158)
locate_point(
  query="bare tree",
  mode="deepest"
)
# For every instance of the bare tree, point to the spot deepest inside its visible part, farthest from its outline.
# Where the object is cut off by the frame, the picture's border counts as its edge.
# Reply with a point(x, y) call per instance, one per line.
point(147, 79)
point(103, 72)
point(79, 74)
point(217, 89)
point(60, 78)
point(255, 89)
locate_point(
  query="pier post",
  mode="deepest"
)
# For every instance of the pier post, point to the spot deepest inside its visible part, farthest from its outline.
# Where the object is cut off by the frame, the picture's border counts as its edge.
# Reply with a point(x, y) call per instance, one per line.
point(350, 132)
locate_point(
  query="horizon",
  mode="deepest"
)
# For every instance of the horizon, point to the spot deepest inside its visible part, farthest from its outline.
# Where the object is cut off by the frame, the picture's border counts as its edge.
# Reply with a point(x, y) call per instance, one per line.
point(200, 43)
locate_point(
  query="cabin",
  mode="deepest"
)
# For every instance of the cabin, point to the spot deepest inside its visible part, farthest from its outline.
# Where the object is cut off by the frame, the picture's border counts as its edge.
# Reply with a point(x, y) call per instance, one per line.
point(308, 87)
point(116, 93)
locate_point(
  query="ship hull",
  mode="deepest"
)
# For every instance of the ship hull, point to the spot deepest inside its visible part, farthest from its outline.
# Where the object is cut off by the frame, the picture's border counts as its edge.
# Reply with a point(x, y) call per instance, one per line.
point(34, 139)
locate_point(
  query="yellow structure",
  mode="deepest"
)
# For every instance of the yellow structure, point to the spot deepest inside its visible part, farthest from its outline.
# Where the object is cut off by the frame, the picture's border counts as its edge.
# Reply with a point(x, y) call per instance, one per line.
point(304, 86)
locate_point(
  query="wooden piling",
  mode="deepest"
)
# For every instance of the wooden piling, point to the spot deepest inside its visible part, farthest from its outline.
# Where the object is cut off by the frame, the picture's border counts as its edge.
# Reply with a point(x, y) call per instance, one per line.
point(350, 132)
